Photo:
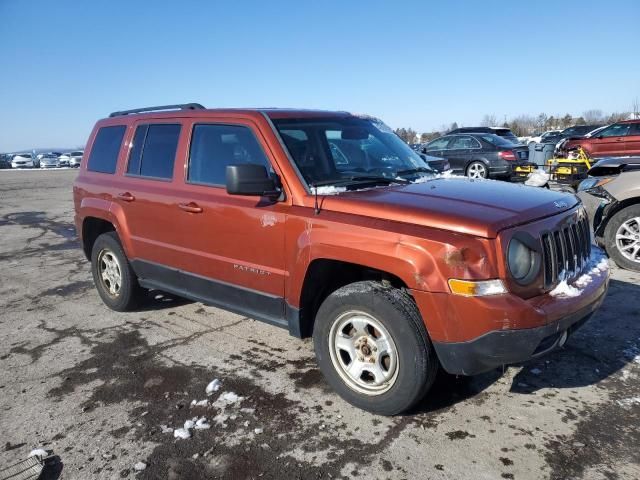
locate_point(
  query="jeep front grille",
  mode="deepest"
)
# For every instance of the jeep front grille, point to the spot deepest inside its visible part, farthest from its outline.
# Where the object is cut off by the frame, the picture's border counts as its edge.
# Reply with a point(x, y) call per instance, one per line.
point(566, 251)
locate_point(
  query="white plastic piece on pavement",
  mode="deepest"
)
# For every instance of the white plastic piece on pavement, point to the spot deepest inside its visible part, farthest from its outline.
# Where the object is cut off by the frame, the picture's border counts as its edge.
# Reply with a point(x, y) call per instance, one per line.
point(213, 386)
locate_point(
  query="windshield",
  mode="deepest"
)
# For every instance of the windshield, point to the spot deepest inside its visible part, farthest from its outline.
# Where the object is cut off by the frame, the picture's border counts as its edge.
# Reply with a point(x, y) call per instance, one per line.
point(498, 141)
point(349, 150)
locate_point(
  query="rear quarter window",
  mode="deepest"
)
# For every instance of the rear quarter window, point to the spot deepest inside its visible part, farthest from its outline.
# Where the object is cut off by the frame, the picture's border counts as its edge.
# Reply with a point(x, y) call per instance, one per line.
point(154, 149)
point(104, 153)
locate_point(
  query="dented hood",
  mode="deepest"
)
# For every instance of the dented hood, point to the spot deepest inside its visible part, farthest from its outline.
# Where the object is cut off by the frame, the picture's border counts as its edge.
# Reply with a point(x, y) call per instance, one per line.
point(475, 207)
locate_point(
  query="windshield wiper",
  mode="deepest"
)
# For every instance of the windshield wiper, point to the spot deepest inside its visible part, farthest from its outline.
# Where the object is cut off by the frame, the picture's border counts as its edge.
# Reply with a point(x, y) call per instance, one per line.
point(410, 171)
point(360, 179)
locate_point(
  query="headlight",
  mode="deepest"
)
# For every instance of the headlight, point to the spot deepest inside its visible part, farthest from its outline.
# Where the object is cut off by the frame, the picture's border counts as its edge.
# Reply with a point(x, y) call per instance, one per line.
point(523, 262)
point(591, 183)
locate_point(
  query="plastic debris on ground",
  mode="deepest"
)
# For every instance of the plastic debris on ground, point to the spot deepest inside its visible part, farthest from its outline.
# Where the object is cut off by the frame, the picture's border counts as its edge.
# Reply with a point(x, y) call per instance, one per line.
point(213, 386)
point(537, 178)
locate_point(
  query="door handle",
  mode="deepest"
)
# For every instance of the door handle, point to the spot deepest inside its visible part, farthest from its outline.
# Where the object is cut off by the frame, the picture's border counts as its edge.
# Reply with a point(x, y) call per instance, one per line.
point(190, 207)
point(126, 197)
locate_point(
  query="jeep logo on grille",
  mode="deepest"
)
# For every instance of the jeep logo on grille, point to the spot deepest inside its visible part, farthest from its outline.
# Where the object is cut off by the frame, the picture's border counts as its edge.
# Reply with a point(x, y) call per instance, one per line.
point(560, 204)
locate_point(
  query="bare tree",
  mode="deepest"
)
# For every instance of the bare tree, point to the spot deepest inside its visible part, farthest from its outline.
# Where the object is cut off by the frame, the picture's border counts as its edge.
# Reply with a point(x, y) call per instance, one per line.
point(635, 108)
point(409, 135)
point(489, 121)
point(593, 116)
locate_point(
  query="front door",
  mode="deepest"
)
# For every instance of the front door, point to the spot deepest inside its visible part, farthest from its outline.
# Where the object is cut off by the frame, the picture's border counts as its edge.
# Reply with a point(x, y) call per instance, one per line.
point(233, 245)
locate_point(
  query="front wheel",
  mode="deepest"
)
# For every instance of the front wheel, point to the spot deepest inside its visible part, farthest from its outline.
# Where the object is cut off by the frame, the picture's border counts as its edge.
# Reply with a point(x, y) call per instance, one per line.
point(373, 348)
point(622, 238)
point(477, 170)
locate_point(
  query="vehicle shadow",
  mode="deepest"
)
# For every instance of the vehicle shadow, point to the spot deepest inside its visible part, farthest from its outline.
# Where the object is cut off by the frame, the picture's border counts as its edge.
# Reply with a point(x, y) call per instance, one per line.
point(602, 347)
point(159, 300)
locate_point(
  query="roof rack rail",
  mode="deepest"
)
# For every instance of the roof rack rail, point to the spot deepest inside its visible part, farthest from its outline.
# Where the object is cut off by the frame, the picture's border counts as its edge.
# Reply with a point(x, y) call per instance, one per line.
point(180, 106)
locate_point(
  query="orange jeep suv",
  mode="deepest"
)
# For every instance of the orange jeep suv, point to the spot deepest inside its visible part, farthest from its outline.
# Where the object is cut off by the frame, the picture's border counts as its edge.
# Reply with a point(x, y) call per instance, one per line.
point(328, 225)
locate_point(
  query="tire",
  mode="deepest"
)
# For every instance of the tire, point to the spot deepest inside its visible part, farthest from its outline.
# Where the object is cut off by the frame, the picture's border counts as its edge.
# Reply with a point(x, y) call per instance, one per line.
point(113, 276)
point(477, 169)
point(407, 372)
point(625, 222)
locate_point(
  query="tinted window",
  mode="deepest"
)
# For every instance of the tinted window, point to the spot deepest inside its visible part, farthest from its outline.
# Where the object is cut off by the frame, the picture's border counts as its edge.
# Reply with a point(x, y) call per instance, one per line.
point(464, 143)
point(635, 129)
point(213, 147)
point(618, 130)
point(438, 144)
point(153, 152)
point(497, 141)
point(104, 154)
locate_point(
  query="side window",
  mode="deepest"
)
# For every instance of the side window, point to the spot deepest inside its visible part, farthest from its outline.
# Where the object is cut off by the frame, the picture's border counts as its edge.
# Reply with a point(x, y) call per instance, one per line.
point(213, 147)
point(104, 153)
point(153, 152)
point(617, 130)
point(438, 144)
point(635, 129)
point(464, 143)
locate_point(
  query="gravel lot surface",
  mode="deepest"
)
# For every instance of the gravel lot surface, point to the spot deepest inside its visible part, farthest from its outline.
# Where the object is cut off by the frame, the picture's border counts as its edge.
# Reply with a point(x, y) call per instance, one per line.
point(95, 387)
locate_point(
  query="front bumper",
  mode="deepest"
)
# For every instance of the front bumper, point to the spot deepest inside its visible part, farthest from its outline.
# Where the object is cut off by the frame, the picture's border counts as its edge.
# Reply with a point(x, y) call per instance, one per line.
point(472, 335)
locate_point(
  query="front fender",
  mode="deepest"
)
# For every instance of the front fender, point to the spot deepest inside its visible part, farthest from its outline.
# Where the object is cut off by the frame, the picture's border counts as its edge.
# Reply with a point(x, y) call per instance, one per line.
point(423, 258)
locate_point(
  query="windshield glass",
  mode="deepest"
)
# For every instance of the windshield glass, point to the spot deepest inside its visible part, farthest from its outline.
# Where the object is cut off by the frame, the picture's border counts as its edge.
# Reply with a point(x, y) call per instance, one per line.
point(498, 141)
point(344, 150)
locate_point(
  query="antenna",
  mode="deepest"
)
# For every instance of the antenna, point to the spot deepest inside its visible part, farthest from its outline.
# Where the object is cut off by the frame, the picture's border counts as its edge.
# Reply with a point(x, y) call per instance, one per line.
point(316, 208)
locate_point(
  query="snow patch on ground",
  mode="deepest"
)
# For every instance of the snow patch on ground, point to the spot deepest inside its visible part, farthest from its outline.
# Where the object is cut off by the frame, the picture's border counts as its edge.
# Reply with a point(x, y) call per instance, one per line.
point(140, 466)
point(182, 433)
point(230, 397)
point(39, 452)
point(628, 402)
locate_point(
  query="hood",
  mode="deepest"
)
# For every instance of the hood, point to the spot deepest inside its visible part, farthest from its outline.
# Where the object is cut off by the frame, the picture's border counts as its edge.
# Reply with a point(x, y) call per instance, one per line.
point(476, 207)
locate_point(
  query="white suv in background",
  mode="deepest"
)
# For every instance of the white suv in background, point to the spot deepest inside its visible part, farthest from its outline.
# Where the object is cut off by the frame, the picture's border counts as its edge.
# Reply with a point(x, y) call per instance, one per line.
point(75, 158)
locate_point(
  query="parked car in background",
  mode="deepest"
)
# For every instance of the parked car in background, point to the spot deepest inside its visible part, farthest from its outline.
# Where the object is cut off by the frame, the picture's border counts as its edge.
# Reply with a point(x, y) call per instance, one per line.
point(49, 160)
point(611, 197)
point(64, 159)
point(541, 137)
point(23, 160)
point(5, 160)
point(435, 163)
point(570, 132)
point(618, 139)
point(479, 155)
point(499, 131)
point(75, 158)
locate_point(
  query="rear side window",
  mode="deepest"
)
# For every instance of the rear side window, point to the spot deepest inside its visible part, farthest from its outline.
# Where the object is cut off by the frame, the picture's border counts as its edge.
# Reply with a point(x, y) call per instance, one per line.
point(213, 147)
point(104, 154)
point(153, 152)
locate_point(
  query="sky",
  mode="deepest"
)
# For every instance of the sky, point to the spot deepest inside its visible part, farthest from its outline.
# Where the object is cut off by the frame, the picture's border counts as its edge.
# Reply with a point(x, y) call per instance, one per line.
point(420, 64)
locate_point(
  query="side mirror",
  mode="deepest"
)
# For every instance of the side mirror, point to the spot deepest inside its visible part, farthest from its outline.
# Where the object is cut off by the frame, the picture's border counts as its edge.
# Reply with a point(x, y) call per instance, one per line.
point(250, 179)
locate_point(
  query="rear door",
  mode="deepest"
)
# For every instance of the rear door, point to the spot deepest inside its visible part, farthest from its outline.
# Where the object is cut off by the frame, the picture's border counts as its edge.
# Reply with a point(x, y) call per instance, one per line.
point(610, 141)
point(146, 194)
point(632, 142)
point(462, 149)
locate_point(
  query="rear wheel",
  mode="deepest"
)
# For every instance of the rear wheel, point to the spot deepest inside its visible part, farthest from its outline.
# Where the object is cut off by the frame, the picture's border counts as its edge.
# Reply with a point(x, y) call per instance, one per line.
point(622, 238)
point(373, 348)
point(477, 170)
point(113, 276)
